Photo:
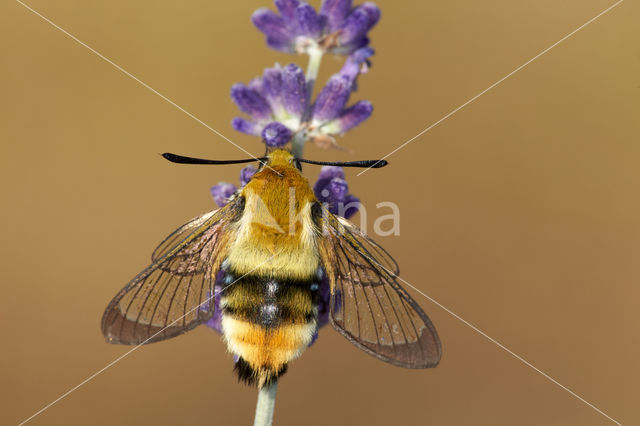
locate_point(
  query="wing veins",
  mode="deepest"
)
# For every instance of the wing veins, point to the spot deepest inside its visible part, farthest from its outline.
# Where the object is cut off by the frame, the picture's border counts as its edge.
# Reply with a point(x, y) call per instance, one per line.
point(364, 270)
point(391, 281)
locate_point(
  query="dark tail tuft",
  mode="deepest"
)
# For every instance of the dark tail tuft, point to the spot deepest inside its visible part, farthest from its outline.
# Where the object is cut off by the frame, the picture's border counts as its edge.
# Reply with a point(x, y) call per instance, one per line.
point(260, 377)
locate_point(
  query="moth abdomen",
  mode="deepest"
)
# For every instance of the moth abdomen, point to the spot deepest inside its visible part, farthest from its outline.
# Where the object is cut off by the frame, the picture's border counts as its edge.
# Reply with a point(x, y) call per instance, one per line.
point(267, 323)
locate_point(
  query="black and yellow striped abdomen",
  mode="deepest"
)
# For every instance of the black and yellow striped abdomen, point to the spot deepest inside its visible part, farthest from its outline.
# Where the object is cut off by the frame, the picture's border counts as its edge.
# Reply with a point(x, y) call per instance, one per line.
point(267, 322)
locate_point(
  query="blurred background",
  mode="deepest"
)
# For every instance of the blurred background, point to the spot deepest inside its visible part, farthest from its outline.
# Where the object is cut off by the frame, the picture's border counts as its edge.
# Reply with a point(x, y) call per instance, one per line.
point(520, 213)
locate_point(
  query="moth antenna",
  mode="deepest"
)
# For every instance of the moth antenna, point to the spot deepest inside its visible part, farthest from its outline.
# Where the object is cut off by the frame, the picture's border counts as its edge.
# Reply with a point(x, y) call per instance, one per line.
point(374, 164)
point(181, 159)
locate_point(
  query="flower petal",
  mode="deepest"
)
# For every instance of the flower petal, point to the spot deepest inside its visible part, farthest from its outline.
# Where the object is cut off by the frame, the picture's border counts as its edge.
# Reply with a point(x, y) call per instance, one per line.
point(332, 98)
point(273, 26)
point(357, 63)
point(246, 174)
point(270, 23)
point(355, 26)
point(221, 193)
point(280, 45)
point(294, 90)
point(250, 101)
point(308, 22)
point(245, 126)
point(336, 11)
point(374, 13)
point(351, 117)
point(276, 134)
point(338, 189)
point(257, 84)
point(272, 79)
point(287, 8)
point(348, 207)
point(329, 172)
point(348, 48)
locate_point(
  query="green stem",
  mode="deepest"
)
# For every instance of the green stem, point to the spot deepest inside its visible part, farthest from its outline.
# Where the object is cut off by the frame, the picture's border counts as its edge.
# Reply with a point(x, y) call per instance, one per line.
point(315, 58)
point(297, 144)
point(265, 405)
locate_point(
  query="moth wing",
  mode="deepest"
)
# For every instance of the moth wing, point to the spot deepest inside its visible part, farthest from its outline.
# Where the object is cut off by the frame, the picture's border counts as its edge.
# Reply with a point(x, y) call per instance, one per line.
point(368, 306)
point(176, 292)
point(179, 234)
point(384, 259)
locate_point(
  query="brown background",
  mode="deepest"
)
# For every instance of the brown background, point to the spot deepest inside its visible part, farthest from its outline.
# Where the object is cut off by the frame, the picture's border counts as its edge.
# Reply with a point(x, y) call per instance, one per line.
point(520, 213)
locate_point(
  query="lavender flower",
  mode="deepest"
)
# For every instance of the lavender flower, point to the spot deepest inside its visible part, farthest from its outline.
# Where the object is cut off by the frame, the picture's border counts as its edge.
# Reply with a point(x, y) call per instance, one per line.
point(278, 96)
point(276, 134)
point(297, 28)
point(332, 190)
point(223, 190)
point(357, 63)
point(246, 174)
point(278, 106)
point(221, 193)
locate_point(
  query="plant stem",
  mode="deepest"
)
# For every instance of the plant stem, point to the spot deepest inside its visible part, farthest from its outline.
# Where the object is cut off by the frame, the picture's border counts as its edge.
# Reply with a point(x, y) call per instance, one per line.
point(315, 58)
point(265, 405)
point(297, 144)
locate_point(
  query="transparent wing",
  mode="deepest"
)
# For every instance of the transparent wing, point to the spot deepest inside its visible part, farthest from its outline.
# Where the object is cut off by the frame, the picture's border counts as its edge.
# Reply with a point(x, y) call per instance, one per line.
point(174, 293)
point(369, 246)
point(368, 306)
point(179, 234)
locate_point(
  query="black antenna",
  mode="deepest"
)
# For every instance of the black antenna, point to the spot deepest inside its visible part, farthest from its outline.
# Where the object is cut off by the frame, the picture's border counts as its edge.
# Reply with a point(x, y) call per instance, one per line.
point(374, 164)
point(180, 159)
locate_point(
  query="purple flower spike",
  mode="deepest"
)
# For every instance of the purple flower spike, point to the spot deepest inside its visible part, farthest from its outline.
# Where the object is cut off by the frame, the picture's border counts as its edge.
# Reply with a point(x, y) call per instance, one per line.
point(332, 98)
point(246, 174)
point(221, 193)
point(294, 89)
point(276, 134)
point(298, 28)
point(282, 94)
point(336, 11)
point(250, 101)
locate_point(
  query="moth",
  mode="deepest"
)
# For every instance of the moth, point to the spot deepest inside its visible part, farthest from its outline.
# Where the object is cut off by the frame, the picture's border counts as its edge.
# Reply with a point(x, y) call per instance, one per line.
point(267, 252)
